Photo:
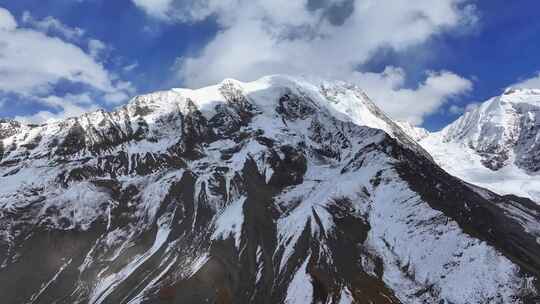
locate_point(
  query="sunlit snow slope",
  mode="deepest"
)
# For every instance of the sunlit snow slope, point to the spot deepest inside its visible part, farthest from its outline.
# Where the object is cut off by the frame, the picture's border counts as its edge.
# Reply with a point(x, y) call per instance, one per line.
point(495, 145)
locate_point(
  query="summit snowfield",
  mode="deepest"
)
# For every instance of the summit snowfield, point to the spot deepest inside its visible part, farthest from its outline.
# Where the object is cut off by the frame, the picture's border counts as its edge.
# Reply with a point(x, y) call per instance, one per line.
point(280, 190)
point(495, 145)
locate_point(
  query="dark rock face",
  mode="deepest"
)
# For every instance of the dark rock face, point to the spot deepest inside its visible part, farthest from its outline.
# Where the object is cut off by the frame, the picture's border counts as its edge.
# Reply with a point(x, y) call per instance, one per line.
point(265, 197)
point(495, 154)
point(8, 128)
point(74, 141)
point(528, 143)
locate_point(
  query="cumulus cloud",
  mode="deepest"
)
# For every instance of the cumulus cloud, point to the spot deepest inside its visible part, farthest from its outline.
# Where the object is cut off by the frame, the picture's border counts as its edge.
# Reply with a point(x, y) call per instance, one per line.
point(530, 83)
point(389, 91)
point(33, 62)
point(61, 107)
point(261, 37)
point(327, 38)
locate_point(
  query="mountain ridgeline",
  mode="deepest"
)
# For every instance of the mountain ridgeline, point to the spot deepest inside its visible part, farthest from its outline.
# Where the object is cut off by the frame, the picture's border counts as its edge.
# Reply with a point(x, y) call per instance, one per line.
point(274, 191)
point(495, 145)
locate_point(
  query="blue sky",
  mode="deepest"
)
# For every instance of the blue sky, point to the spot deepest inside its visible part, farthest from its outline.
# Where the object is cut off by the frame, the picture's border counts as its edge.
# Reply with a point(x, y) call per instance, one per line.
point(424, 62)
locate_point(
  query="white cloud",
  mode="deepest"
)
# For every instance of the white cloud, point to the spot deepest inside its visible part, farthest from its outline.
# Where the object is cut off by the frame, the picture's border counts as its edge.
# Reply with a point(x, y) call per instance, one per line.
point(327, 38)
point(7, 21)
point(115, 97)
point(96, 47)
point(61, 107)
point(530, 83)
point(456, 110)
point(52, 25)
point(267, 37)
point(155, 8)
point(388, 91)
point(261, 37)
point(32, 63)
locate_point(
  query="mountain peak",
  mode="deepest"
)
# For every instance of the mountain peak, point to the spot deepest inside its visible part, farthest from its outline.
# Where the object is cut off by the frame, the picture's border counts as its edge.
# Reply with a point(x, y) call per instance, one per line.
point(520, 91)
point(156, 117)
point(502, 130)
point(495, 144)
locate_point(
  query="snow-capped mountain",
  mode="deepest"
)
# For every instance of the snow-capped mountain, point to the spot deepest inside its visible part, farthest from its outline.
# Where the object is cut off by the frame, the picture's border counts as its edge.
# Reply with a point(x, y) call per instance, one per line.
point(274, 191)
point(495, 145)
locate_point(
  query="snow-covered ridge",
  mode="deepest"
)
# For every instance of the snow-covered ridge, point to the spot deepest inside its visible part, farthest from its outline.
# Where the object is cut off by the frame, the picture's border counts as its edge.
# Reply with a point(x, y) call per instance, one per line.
point(152, 117)
point(526, 93)
point(497, 121)
point(494, 145)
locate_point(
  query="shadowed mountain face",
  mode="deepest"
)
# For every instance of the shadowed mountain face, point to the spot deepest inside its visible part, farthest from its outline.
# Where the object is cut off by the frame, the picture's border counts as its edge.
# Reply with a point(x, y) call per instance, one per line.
point(275, 191)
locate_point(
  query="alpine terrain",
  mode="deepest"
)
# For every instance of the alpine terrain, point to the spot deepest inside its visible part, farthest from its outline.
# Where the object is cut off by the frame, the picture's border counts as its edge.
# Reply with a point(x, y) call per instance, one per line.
point(274, 191)
point(495, 145)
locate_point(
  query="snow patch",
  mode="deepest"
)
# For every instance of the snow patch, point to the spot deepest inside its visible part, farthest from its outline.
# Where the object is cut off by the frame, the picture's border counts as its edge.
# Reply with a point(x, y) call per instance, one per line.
point(300, 290)
point(229, 222)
